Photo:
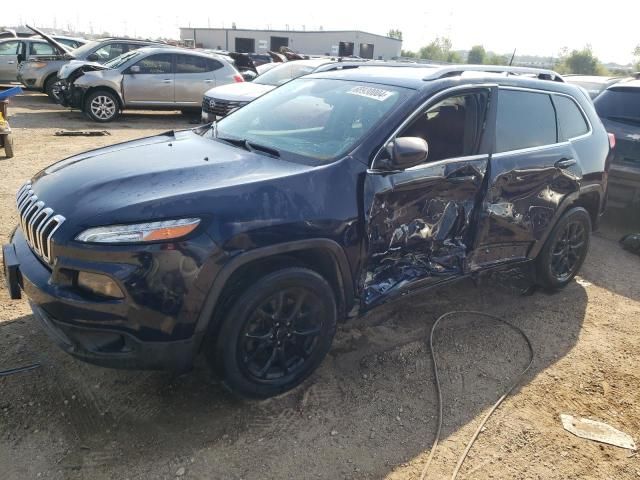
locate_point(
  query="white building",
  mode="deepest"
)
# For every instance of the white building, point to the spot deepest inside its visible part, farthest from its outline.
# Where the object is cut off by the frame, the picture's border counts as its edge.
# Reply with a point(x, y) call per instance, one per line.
point(320, 42)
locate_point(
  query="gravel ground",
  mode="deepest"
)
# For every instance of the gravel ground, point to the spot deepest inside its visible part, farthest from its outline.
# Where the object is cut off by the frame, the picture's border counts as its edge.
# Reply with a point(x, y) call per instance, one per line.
point(368, 413)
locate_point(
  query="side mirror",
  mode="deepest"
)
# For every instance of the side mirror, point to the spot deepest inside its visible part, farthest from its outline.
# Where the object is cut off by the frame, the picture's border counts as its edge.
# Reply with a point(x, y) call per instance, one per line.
point(93, 57)
point(406, 152)
point(135, 69)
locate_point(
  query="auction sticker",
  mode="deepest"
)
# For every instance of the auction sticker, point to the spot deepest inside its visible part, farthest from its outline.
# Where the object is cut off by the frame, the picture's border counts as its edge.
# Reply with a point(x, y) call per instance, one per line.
point(371, 92)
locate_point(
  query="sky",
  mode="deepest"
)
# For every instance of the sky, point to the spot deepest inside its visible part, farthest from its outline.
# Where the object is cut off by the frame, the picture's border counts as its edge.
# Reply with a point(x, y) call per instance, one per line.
point(540, 27)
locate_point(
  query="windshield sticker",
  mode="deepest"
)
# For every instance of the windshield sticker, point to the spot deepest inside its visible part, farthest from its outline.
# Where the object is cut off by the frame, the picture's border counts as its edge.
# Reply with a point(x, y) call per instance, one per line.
point(371, 92)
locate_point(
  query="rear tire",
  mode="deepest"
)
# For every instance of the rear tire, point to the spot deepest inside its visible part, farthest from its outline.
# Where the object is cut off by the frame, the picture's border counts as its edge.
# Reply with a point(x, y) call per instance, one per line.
point(102, 106)
point(565, 250)
point(276, 333)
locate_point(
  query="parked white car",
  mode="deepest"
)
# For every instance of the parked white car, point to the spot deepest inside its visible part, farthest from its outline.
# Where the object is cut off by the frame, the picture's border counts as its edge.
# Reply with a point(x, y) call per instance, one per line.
point(219, 101)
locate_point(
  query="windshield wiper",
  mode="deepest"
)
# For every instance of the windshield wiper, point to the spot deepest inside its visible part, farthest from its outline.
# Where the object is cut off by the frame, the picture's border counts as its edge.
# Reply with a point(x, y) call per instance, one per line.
point(248, 145)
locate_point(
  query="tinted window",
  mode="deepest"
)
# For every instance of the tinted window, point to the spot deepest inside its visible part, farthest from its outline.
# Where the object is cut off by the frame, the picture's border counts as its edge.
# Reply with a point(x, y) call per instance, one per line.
point(619, 103)
point(156, 64)
point(9, 48)
point(452, 127)
point(41, 49)
point(525, 120)
point(193, 64)
point(571, 122)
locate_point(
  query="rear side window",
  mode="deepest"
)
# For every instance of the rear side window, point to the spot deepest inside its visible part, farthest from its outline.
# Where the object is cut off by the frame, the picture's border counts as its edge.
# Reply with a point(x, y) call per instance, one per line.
point(619, 104)
point(193, 64)
point(9, 48)
point(571, 122)
point(525, 120)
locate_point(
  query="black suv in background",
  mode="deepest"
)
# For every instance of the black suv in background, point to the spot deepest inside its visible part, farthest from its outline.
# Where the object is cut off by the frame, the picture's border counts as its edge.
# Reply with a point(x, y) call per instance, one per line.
point(619, 109)
point(330, 195)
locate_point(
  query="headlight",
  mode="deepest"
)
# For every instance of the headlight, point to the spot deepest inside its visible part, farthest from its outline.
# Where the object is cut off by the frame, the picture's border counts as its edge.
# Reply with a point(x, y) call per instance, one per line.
point(140, 232)
point(99, 284)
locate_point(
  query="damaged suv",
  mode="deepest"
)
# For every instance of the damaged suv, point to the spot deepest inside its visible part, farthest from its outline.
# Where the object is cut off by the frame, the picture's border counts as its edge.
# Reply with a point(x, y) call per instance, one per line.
point(326, 197)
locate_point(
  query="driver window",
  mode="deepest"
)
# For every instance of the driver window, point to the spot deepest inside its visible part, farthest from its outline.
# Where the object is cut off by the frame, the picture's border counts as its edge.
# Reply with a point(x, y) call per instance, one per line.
point(453, 127)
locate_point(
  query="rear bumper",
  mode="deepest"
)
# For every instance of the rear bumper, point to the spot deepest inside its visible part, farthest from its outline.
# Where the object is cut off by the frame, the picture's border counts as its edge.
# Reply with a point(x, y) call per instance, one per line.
point(623, 187)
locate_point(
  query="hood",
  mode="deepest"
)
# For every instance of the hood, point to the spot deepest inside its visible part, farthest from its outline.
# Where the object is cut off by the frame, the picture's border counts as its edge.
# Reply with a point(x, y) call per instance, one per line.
point(239, 92)
point(68, 68)
point(57, 46)
point(163, 176)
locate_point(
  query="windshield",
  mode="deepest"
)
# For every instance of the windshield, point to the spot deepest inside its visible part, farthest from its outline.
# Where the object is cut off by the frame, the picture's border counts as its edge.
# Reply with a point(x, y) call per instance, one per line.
point(283, 73)
point(122, 59)
point(619, 103)
point(84, 49)
point(320, 119)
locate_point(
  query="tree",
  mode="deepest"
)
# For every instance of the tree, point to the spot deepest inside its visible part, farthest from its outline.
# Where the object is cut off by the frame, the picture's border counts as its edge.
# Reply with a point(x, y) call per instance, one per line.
point(408, 54)
point(495, 59)
point(440, 51)
point(395, 33)
point(477, 55)
point(580, 61)
point(636, 55)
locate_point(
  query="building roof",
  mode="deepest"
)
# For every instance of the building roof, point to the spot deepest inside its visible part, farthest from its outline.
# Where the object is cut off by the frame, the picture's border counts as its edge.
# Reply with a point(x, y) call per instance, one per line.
point(288, 31)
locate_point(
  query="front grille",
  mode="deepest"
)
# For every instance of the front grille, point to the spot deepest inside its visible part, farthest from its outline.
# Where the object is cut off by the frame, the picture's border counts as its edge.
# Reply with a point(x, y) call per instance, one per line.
point(38, 222)
point(219, 107)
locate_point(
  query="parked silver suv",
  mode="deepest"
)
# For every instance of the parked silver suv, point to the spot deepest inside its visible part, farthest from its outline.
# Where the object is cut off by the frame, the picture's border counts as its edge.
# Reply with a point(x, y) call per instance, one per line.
point(41, 73)
point(159, 78)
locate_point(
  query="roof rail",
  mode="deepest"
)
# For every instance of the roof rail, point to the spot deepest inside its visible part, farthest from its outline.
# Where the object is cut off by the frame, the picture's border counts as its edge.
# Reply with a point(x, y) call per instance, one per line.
point(456, 70)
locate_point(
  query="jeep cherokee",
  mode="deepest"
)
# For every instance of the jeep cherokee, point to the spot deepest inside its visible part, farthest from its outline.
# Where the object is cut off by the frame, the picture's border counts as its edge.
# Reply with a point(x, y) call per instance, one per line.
point(250, 239)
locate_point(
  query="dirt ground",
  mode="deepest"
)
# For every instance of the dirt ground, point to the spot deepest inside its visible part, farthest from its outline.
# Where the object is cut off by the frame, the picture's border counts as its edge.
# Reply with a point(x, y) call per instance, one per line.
point(370, 412)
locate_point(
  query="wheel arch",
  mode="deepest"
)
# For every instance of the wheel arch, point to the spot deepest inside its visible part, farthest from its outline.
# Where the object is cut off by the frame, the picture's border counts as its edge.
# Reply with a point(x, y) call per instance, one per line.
point(323, 256)
point(47, 78)
point(589, 197)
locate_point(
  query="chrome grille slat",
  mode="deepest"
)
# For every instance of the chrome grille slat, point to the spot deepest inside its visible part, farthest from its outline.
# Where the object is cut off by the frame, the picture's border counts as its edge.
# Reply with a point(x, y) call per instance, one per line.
point(38, 222)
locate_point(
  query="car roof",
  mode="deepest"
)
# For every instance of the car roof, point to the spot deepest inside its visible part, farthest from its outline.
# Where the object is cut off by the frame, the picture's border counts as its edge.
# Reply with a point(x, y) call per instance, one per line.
point(419, 76)
point(622, 85)
point(171, 49)
point(589, 78)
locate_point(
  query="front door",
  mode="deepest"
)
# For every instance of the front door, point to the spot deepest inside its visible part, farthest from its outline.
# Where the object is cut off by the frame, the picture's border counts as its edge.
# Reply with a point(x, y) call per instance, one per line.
point(531, 173)
point(420, 221)
point(152, 84)
point(9, 60)
point(194, 76)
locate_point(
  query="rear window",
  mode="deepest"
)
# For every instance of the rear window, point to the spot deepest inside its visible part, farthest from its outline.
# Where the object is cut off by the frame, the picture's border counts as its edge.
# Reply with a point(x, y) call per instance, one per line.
point(619, 103)
point(571, 122)
point(525, 120)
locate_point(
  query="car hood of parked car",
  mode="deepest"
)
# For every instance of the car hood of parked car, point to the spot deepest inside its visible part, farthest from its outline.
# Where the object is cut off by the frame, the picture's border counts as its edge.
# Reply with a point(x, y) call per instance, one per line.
point(156, 177)
point(239, 92)
point(68, 68)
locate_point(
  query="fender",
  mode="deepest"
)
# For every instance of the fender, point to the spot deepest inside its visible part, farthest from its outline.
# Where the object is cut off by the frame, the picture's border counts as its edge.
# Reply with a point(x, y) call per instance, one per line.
point(566, 204)
point(345, 278)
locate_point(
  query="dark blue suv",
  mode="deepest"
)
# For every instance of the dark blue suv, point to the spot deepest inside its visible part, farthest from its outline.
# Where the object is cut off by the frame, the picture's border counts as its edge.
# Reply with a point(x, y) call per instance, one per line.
point(250, 239)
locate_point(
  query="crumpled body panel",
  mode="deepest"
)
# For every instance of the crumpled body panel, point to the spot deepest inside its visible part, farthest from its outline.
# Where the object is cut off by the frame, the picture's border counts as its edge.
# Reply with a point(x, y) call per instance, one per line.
point(418, 225)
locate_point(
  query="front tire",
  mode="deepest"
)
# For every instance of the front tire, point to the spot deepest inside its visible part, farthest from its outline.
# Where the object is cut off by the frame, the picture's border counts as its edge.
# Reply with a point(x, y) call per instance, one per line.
point(276, 333)
point(565, 250)
point(102, 106)
point(49, 86)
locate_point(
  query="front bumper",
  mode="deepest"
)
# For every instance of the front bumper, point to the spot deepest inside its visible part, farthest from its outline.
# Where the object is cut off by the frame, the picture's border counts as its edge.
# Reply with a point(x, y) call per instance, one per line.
point(111, 333)
point(68, 95)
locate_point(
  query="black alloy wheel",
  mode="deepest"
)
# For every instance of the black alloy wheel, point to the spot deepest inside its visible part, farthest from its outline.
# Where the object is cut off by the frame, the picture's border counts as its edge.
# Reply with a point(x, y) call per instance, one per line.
point(565, 249)
point(276, 333)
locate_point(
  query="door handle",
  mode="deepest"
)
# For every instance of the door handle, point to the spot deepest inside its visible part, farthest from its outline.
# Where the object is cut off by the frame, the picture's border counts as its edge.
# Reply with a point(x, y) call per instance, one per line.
point(11, 62)
point(565, 163)
point(166, 80)
point(208, 81)
point(462, 178)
